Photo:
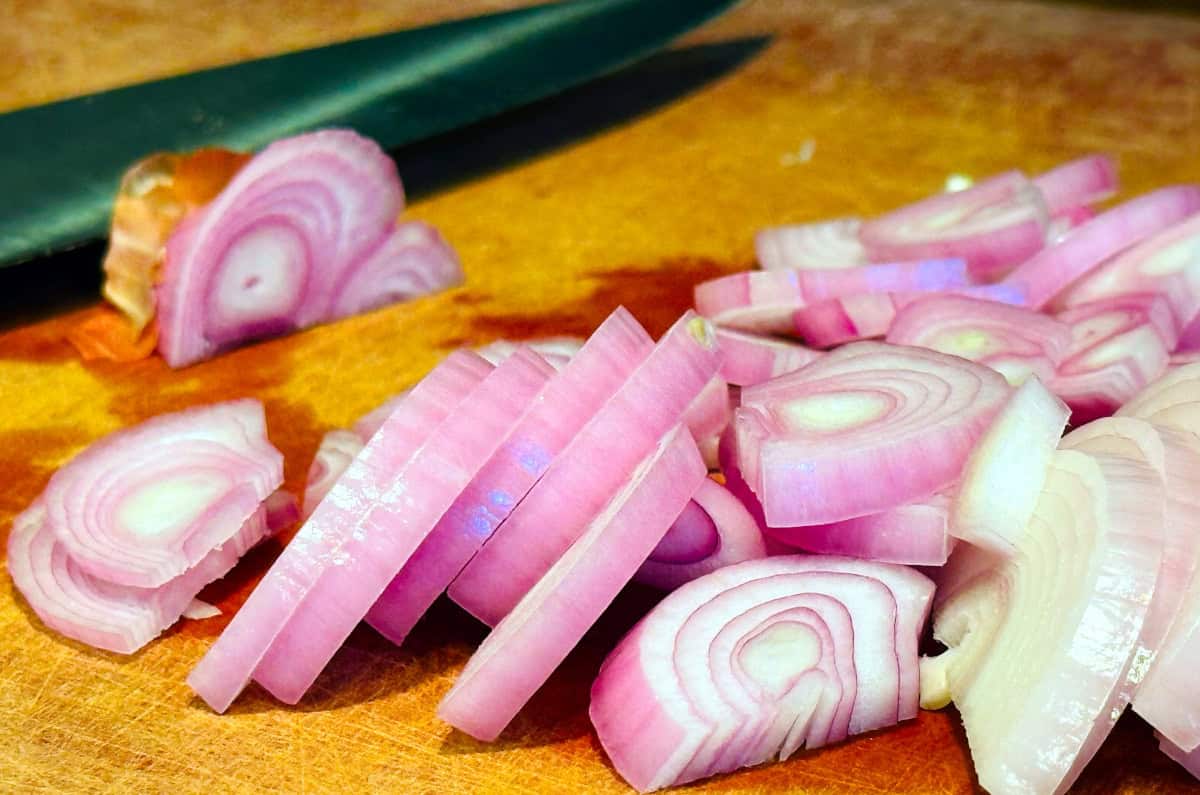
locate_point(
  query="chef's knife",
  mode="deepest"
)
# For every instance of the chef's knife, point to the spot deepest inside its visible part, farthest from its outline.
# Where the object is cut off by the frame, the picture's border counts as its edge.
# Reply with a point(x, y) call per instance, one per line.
point(60, 163)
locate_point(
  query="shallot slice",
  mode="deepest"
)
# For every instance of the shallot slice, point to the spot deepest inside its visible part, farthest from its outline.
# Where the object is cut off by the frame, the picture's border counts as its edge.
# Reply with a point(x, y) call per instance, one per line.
point(993, 225)
point(304, 233)
point(582, 479)
point(901, 419)
point(714, 530)
point(337, 449)
point(751, 359)
point(757, 660)
point(565, 405)
point(1003, 476)
point(1118, 346)
point(145, 504)
point(817, 245)
point(1052, 270)
point(536, 636)
point(1077, 183)
point(229, 664)
point(708, 415)
point(1172, 400)
point(557, 351)
point(1042, 645)
point(120, 618)
point(850, 318)
point(1015, 341)
point(335, 594)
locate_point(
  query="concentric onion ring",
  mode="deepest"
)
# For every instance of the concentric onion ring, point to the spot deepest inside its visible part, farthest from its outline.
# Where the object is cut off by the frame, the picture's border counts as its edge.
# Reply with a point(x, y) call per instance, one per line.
point(822, 245)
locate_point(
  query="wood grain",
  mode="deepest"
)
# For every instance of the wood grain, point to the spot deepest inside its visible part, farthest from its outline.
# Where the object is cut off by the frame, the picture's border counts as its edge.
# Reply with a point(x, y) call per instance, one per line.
point(886, 99)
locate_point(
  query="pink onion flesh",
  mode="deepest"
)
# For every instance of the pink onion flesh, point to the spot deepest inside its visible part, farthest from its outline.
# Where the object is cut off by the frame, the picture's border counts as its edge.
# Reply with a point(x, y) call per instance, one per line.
point(536, 636)
point(757, 660)
point(583, 478)
point(1077, 183)
point(751, 359)
point(337, 449)
point(557, 351)
point(822, 245)
point(902, 419)
point(1189, 759)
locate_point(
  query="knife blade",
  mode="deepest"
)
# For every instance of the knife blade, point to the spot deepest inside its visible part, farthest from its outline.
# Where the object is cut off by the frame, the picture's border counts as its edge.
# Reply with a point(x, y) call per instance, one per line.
point(61, 162)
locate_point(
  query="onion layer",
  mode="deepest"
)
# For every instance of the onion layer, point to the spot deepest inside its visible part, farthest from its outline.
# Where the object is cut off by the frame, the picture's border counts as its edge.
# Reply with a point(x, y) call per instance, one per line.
point(526, 647)
point(1077, 183)
point(229, 664)
point(758, 660)
point(751, 359)
point(337, 449)
point(713, 531)
point(583, 478)
point(565, 405)
point(902, 419)
point(822, 245)
point(145, 504)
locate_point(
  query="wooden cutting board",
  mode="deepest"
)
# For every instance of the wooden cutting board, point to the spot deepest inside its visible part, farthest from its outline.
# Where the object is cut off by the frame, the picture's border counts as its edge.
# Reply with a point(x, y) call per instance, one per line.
point(853, 108)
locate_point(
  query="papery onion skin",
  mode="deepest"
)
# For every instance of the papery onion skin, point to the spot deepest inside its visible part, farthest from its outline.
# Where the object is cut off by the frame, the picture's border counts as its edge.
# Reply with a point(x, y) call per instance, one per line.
point(818, 245)
point(713, 531)
point(230, 663)
point(535, 637)
point(900, 418)
point(567, 403)
point(665, 717)
point(589, 471)
point(145, 503)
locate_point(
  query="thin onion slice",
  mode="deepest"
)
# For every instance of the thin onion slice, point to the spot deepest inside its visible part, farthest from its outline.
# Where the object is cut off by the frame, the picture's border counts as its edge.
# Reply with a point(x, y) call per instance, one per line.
point(120, 618)
point(820, 245)
point(565, 405)
point(993, 225)
point(1052, 270)
point(1170, 400)
point(1003, 476)
point(1042, 646)
point(1015, 341)
point(757, 660)
point(338, 592)
point(1118, 346)
point(536, 636)
point(337, 449)
point(230, 663)
point(1077, 183)
point(713, 531)
point(1189, 759)
point(557, 351)
point(708, 415)
point(751, 359)
point(902, 419)
point(582, 479)
point(146, 503)
point(765, 301)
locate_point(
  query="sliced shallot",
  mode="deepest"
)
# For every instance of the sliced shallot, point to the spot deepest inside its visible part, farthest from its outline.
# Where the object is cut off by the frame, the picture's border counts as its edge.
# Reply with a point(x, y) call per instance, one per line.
point(337, 449)
point(758, 660)
point(901, 419)
point(751, 359)
point(557, 351)
point(530, 642)
point(820, 245)
point(1077, 183)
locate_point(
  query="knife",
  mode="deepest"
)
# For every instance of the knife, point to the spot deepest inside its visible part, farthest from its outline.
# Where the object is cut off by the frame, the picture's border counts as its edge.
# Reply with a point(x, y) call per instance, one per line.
point(61, 162)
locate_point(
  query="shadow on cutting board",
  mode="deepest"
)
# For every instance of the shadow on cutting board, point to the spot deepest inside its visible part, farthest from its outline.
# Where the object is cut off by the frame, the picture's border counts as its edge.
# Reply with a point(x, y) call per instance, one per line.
point(71, 279)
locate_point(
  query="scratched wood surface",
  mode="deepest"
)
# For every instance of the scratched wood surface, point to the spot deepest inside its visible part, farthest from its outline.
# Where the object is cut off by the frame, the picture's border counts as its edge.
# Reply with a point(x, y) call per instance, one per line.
point(852, 107)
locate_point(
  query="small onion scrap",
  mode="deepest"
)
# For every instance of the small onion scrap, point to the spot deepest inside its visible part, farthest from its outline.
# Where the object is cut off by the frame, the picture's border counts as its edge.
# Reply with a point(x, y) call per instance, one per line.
point(902, 419)
point(758, 660)
point(713, 531)
point(536, 636)
point(822, 245)
point(582, 479)
point(751, 359)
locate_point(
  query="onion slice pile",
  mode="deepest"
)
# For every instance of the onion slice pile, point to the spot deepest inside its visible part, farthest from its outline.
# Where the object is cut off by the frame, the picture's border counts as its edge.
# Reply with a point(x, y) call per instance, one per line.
point(993, 225)
point(1015, 341)
point(902, 419)
point(1118, 346)
point(823, 245)
point(758, 660)
point(525, 648)
point(713, 531)
point(584, 477)
point(304, 233)
point(230, 663)
point(1003, 476)
point(750, 359)
point(564, 406)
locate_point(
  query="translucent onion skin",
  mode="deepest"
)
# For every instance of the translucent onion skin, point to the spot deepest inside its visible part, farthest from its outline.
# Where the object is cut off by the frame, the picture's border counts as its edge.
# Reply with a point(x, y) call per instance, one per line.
point(757, 660)
point(582, 386)
point(1042, 645)
point(751, 359)
point(145, 504)
point(113, 617)
point(902, 419)
point(230, 663)
point(1015, 341)
point(583, 478)
point(821, 245)
point(304, 233)
point(526, 647)
point(713, 531)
